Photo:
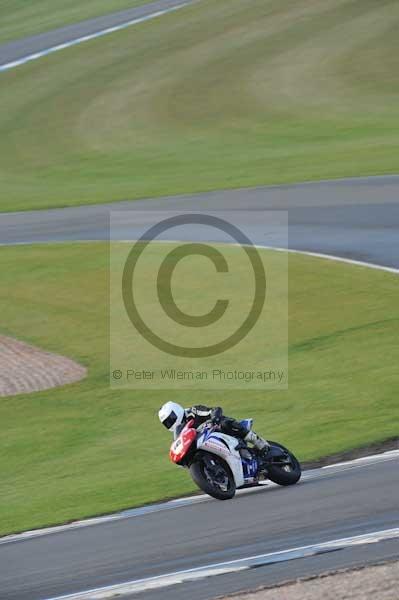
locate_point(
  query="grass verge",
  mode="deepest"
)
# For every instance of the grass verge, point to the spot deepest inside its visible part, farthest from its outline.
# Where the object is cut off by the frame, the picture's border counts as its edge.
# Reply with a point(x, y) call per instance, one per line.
point(86, 449)
point(218, 95)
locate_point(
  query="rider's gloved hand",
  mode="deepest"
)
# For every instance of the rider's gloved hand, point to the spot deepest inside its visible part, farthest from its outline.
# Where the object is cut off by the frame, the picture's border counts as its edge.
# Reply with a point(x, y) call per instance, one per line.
point(217, 415)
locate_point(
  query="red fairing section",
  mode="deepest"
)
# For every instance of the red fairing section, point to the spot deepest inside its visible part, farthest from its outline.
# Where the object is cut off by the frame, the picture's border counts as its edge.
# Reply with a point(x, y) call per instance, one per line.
point(182, 444)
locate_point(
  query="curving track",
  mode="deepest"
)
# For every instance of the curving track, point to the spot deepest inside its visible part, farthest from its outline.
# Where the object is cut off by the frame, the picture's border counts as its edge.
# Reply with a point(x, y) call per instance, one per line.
point(330, 504)
point(352, 219)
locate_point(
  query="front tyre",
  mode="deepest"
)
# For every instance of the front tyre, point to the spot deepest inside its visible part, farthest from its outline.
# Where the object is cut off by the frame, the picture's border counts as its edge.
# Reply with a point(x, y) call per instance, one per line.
point(213, 476)
point(284, 467)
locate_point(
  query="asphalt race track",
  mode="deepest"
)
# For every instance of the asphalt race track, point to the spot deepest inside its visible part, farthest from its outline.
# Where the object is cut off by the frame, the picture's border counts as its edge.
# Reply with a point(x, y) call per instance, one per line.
point(329, 504)
point(355, 219)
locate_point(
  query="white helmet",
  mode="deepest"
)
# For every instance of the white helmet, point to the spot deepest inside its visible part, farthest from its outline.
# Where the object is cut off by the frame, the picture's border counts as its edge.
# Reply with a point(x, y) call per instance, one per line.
point(171, 415)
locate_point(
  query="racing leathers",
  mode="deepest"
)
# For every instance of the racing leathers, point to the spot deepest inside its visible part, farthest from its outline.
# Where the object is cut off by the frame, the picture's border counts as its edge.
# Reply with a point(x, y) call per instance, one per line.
point(199, 414)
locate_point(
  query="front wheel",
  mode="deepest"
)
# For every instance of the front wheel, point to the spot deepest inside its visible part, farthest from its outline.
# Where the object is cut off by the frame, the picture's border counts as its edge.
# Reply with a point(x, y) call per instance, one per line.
point(284, 467)
point(213, 476)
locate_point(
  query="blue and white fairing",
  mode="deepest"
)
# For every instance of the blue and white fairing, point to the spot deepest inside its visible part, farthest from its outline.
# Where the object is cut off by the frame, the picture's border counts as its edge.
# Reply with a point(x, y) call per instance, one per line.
point(250, 466)
point(244, 470)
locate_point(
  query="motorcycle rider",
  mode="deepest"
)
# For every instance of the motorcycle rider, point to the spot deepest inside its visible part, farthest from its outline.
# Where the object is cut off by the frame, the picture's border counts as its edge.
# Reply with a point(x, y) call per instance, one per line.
point(174, 417)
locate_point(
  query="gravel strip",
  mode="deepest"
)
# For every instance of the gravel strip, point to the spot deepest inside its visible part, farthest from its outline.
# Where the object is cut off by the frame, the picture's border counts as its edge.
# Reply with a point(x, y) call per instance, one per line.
point(379, 582)
point(25, 368)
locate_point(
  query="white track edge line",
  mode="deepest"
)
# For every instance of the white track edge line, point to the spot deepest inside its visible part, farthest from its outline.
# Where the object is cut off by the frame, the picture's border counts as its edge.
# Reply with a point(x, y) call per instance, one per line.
point(331, 257)
point(91, 36)
point(168, 579)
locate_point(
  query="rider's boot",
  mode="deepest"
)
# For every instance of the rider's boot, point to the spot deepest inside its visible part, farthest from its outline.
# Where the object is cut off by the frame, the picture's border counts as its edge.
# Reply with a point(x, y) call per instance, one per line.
point(259, 443)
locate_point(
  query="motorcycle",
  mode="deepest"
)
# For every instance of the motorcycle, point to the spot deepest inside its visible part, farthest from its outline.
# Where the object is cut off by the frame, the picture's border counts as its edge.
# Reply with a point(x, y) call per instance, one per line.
point(220, 464)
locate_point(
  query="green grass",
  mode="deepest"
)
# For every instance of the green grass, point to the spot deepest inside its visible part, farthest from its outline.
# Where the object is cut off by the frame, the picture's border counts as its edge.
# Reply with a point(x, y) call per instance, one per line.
point(221, 94)
point(263, 348)
point(86, 449)
point(21, 18)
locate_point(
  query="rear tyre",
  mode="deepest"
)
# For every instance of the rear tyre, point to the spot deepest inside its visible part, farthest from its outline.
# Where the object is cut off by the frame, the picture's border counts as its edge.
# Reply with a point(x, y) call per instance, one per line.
point(213, 476)
point(284, 470)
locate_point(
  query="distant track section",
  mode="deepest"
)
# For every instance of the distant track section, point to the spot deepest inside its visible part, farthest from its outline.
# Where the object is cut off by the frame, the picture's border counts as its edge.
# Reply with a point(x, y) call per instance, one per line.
point(15, 54)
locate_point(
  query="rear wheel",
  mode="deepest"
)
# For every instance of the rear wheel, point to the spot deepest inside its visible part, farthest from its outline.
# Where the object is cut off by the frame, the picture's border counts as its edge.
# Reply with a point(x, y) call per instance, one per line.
point(284, 467)
point(213, 476)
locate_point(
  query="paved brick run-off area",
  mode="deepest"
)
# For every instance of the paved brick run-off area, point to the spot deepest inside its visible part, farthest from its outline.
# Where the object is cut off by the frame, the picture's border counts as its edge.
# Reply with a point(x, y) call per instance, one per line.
point(25, 368)
point(370, 583)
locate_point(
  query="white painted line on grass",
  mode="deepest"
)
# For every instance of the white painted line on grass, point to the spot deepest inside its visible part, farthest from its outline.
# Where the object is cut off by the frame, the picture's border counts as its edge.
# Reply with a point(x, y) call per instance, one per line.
point(309, 475)
point(169, 579)
point(331, 257)
point(91, 36)
point(349, 261)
